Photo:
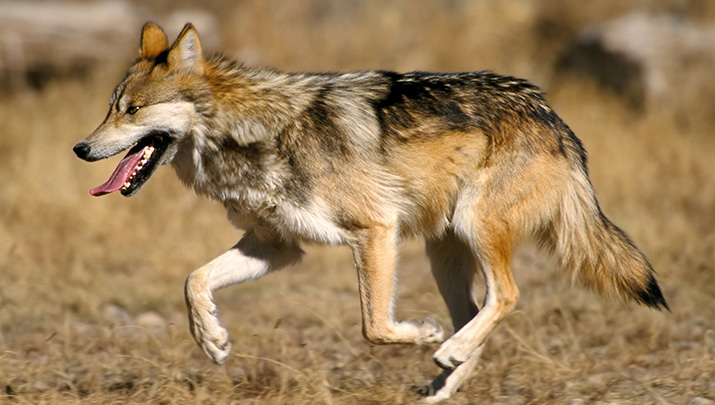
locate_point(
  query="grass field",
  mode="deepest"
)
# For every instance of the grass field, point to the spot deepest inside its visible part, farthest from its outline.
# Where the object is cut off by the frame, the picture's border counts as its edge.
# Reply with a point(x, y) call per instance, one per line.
point(91, 290)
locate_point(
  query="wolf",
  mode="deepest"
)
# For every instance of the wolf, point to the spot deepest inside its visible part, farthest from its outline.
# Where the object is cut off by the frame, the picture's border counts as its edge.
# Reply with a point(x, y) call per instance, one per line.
point(470, 161)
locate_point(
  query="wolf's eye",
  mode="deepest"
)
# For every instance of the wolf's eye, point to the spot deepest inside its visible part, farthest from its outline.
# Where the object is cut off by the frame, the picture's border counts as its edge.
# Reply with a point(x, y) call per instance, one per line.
point(132, 109)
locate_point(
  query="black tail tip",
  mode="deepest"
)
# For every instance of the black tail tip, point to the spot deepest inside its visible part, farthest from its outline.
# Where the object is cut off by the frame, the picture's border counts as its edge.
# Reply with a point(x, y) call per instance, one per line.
point(652, 297)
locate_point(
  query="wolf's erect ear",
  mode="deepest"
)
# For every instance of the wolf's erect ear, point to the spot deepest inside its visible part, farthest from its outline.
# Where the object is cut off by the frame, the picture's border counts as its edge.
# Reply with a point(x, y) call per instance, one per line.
point(154, 41)
point(186, 51)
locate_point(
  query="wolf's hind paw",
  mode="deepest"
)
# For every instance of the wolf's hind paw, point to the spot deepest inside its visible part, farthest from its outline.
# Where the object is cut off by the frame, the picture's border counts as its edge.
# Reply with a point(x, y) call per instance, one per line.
point(452, 353)
point(430, 394)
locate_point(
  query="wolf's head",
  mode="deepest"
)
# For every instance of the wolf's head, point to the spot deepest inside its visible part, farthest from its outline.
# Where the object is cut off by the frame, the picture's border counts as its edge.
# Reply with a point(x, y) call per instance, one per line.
point(150, 110)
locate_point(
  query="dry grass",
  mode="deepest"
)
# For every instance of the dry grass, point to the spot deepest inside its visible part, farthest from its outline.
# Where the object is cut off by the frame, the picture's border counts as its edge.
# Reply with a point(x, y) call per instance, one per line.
point(91, 305)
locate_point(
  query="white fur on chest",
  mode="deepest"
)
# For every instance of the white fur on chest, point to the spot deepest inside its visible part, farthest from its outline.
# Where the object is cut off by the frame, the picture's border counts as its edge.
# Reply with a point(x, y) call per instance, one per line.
point(312, 223)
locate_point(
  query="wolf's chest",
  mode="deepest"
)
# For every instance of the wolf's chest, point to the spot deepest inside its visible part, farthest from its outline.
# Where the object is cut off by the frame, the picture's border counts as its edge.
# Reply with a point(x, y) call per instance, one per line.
point(313, 222)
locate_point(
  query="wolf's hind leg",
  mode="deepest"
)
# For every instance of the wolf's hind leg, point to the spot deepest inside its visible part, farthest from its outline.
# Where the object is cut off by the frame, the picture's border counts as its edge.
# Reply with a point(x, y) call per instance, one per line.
point(251, 258)
point(492, 242)
point(375, 252)
point(449, 381)
point(454, 268)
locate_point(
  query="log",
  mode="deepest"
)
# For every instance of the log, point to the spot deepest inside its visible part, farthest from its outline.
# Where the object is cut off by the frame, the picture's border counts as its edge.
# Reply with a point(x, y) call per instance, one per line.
point(45, 39)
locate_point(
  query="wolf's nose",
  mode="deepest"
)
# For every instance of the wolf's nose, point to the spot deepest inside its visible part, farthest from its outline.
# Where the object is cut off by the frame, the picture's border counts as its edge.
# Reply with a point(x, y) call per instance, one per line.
point(81, 150)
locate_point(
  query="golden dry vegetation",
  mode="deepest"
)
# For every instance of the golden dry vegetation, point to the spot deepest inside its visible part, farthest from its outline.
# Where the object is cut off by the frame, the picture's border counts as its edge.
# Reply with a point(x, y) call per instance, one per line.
point(91, 290)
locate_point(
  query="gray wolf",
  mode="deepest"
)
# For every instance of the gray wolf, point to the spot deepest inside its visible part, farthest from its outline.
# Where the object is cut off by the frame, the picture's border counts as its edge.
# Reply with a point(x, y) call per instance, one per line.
point(470, 161)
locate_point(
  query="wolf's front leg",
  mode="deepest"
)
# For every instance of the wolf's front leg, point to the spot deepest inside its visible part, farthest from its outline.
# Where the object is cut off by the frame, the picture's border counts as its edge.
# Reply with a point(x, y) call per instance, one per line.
point(375, 253)
point(253, 256)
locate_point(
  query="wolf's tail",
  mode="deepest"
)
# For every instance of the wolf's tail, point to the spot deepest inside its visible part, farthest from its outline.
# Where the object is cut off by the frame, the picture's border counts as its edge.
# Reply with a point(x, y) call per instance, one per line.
point(595, 251)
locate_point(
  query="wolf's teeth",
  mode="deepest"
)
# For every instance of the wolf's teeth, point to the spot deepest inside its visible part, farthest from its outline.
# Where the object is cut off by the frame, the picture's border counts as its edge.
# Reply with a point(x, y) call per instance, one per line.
point(148, 151)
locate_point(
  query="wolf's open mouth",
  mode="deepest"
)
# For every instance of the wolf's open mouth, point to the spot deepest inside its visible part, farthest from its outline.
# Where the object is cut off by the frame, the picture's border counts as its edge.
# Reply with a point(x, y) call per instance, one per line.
point(136, 167)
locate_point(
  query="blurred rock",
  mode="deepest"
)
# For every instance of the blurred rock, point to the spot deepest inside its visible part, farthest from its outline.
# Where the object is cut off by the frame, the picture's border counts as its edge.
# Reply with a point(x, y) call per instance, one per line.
point(205, 23)
point(117, 315)
point(38, 40)
point(43, 40)
point(639, 56)
point(152, 322)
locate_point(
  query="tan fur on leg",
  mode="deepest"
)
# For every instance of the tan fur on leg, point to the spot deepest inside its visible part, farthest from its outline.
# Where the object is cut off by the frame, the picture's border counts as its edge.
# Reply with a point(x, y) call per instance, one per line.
point(374, 253)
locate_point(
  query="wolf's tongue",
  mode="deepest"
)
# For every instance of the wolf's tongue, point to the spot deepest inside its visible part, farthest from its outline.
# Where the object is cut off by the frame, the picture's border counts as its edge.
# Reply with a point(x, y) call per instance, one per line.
point(120, 176)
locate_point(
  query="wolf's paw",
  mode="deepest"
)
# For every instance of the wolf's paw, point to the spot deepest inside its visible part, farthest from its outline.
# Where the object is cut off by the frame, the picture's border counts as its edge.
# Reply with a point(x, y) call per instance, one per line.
point(432, 331)
point(452, 353)
point(210, 335)
point(423, 331)
point(435, 399)
point(216, 345)
point(432, 393)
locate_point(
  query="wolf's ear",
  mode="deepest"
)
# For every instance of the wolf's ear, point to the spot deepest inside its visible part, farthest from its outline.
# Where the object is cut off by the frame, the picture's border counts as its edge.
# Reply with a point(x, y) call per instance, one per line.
point(154, 41)
point(186, 51)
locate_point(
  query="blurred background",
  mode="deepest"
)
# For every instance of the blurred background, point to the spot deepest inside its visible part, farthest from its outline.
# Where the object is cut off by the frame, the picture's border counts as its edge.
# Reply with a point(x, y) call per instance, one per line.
point(91, 290)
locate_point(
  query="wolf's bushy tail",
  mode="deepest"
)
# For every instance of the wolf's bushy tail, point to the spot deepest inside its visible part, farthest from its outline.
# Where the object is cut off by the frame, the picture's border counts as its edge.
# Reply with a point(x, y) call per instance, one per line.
point(596, 252)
